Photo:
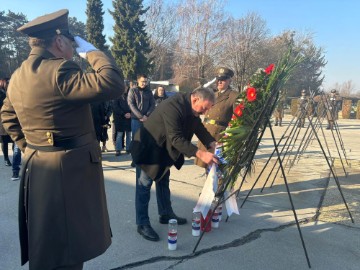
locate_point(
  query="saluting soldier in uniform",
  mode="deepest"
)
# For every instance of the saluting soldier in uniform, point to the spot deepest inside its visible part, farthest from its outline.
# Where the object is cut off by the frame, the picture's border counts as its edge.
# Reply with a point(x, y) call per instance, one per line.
point(63, 216)
point(302, 109)
point(218, 117)
point(332, 106)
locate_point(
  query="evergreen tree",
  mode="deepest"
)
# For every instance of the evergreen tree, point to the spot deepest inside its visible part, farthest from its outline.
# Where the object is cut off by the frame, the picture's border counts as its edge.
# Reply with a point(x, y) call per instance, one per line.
point(95, 24)
point(78, 28)
point(14, 47)
point(131, 45)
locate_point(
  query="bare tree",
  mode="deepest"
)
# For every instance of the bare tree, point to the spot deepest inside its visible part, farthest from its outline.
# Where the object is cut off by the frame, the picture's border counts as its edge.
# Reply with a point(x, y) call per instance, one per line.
point(242, 42)
point(161, 27)
point(193, 37)
point(198, 43)
point(347, 89)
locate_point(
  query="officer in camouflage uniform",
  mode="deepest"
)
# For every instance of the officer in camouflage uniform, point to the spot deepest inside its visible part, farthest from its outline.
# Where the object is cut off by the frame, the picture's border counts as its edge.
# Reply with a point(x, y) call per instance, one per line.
point(332, 106)
point(217, 118)
point(302, 110)
point(279, 111)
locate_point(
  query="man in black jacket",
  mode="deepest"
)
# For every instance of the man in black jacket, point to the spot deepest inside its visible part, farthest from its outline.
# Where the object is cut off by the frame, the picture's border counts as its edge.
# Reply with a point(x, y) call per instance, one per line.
point(163, 141)
point(141, 102)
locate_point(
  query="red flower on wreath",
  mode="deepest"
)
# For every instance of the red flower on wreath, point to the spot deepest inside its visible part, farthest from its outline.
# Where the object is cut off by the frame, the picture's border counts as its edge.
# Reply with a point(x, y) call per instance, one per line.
point(238, 111)
point(233, 117)
point(251, 94)
point(269, 69)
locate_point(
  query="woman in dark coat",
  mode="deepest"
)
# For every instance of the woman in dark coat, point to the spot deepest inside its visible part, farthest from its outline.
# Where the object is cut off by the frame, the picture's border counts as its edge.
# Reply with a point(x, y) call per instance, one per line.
point(4, 137)
point(98, 110)
point(122, 122)
point(160, 95)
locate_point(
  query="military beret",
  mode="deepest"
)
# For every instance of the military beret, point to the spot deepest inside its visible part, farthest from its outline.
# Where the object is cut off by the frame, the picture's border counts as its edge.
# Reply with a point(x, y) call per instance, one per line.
point(224, 72)
point(48, 25)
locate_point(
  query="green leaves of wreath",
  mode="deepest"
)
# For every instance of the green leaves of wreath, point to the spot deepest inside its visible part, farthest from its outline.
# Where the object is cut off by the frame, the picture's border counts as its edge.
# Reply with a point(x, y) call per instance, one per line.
point(253, 109)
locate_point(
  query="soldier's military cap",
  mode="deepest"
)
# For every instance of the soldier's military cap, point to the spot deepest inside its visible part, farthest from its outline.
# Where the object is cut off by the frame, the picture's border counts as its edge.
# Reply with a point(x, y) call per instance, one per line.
point(48, 25)
point(333, 91)
point(224, 73)
point(303, 92)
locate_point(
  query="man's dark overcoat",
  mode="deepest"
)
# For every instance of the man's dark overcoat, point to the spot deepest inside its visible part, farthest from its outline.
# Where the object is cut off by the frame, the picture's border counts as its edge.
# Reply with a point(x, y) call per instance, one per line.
point(166, 136)
point(63, 216)
point(98, 112)
point(221, 112)
point(120, 107)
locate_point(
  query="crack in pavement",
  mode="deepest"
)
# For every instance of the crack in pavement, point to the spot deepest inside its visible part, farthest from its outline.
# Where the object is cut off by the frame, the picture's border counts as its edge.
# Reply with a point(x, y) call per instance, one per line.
point(252, 236)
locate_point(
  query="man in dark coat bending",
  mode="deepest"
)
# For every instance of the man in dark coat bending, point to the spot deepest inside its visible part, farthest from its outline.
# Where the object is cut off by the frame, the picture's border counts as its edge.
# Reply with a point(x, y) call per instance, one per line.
point(162, 142)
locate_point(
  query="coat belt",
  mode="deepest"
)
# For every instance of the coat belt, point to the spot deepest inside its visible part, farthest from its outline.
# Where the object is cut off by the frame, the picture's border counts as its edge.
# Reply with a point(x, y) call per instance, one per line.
point(66, 144)
point(215, 122)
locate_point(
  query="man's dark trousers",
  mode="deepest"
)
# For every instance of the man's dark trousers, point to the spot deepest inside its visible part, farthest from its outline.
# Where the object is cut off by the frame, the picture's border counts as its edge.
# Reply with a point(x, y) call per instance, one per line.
point(142, 196)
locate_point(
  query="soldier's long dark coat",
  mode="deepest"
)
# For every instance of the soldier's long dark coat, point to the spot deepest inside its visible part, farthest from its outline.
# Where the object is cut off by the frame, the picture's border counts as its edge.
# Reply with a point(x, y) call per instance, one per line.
point(165, 137)
point(221, 111)
point(63, 217)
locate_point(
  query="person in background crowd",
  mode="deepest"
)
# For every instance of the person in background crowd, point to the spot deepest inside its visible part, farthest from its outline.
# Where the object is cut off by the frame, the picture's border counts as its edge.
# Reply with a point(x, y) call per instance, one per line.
point(218, 116)
point(302, 108)
point(122, 122)
point(332, 105)
point(141, 103)
point(4, 137)
point(16, 163)
point(133, 84)
point(113, 129)
point(162, 142)
point(63, 216)
point(105, 136)
point(16, 159)
point(114, 134)
point(101, 122)
point(160, 94)
point(279, 110)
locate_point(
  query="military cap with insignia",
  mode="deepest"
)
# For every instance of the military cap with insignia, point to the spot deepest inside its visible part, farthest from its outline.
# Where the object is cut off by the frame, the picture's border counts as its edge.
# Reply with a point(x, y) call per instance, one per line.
point(333, 91)
point(48, 25)
point(224, 73)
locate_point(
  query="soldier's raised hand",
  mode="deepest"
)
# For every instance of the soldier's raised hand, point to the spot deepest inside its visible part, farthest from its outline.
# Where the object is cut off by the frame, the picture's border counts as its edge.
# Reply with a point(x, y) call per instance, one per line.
point(83, 47)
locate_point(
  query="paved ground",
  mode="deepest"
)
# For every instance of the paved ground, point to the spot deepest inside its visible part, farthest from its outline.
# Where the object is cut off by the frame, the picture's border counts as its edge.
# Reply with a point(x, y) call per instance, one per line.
point(264, 236)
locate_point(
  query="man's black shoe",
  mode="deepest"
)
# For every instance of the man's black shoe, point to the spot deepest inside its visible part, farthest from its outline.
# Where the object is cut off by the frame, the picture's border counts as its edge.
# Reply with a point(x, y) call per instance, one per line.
point(148, 232)
point(164, 219)
point(15, 176)
point(7, 162)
